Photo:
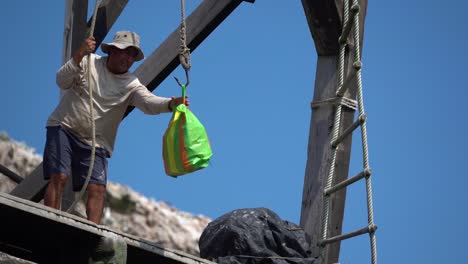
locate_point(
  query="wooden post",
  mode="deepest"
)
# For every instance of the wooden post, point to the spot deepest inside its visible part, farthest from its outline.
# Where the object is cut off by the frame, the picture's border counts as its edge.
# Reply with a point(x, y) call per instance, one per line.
point(325, 23)
point(74, 26)
point(107, 14)
point(74, 33)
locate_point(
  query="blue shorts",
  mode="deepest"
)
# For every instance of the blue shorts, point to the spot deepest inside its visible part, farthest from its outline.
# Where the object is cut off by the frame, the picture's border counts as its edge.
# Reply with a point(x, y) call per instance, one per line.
point(65, 153)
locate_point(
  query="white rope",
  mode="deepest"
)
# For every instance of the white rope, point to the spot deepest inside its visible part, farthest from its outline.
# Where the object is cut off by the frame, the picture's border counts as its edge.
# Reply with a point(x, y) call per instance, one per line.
point(273, 257)
point(343, 101)
point(184, 51)
point(370, 208)
point(91, 116)
point(336, 129)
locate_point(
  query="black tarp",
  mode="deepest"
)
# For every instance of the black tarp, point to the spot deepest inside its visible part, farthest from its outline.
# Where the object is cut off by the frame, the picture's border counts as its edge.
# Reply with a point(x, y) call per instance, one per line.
point(256, 235)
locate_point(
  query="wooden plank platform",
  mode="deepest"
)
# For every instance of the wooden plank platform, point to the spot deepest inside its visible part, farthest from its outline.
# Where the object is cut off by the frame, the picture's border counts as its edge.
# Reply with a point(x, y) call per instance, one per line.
point(37, 233)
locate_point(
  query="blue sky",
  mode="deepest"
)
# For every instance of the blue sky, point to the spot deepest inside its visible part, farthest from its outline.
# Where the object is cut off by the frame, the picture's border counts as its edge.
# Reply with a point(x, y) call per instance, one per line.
point(251, 86)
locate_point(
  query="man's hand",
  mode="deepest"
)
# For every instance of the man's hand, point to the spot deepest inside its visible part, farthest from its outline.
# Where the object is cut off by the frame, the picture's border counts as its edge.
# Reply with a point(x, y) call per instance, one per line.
point(175, 101)
point(87, 47)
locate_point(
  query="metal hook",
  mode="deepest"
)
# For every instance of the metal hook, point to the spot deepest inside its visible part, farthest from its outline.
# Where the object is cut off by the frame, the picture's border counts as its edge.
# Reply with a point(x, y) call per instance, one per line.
point(187, 78)
point(184, 60)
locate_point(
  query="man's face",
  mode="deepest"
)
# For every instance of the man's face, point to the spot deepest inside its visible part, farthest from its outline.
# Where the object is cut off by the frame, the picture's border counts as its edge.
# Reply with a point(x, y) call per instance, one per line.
point(120, 60)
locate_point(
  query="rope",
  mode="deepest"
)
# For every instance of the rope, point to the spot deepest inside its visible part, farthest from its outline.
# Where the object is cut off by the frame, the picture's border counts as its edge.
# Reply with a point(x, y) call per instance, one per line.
point(184, 51)
point(343, 101)
point(336, 129)
point(91, 116)
point(370, 208)
point(273, 257)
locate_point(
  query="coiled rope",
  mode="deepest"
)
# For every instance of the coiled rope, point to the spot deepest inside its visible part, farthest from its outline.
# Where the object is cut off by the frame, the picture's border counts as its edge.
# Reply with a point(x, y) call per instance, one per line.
point(91, 116)
point(184, 51)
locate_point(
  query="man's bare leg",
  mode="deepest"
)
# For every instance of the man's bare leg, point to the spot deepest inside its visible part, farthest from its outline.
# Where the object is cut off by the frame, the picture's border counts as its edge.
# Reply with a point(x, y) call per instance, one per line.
point(95, 203)
point(54, 191)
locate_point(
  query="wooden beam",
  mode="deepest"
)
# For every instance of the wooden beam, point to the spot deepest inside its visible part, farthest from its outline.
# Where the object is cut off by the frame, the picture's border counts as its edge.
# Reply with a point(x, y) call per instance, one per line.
point(107, 14)
point(75, 26)
point(318, 158)
point(324, 19)
point(208, 16)
point(74, 32)
point(41, 234)
point(32, 187)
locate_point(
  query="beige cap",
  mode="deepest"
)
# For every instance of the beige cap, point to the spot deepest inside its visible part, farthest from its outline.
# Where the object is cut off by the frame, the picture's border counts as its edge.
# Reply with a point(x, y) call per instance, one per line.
point(123, 40)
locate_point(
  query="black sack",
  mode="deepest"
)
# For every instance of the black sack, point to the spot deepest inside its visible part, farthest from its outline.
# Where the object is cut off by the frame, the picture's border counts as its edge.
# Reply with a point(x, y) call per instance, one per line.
point(254, 236)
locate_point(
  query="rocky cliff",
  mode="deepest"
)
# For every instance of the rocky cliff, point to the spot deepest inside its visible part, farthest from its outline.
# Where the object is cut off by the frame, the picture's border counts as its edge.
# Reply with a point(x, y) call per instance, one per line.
point(126, 210)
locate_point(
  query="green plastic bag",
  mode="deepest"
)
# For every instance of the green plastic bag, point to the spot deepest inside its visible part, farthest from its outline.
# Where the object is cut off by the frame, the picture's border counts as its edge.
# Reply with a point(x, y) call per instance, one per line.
point(186, 147)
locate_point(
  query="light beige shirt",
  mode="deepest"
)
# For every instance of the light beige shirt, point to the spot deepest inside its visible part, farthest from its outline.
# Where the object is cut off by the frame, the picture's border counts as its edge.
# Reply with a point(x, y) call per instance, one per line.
point(112, 94)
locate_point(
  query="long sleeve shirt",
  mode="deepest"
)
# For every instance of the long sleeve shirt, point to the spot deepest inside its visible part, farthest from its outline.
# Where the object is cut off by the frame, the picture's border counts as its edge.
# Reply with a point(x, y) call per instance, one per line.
point(112, 94)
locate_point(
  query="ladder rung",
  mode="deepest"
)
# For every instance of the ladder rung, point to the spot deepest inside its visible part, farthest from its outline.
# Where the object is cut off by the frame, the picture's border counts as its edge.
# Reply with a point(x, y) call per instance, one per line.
point(367, 229)
point(357, 65)
point(349, 24)
point(349, 130)
point(366, 173)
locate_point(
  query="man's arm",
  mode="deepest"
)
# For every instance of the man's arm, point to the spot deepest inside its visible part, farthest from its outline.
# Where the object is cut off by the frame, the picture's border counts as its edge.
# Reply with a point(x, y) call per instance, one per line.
point(73, 69)
point(88, 46)
point(151, 104)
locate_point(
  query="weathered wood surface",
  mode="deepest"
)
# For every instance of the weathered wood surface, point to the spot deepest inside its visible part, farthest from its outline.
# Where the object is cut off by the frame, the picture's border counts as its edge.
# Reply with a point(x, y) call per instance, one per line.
point(32, 187)
point(318, 159)
point(75, 32)
point(324, 19)
point(199, 25)
point(74, 26)
point(40, 234)
point(325, 22)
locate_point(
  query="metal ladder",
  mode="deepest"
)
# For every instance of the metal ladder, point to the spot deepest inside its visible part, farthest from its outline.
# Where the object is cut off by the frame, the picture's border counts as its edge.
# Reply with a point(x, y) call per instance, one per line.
point(348, 24)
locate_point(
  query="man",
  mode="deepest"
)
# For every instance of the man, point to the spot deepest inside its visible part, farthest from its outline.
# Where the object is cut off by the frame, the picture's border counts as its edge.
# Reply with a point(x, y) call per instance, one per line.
point(69, 128)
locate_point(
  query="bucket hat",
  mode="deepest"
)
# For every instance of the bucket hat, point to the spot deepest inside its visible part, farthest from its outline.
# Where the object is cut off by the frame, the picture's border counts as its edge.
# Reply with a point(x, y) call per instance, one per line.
point(123, 40)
